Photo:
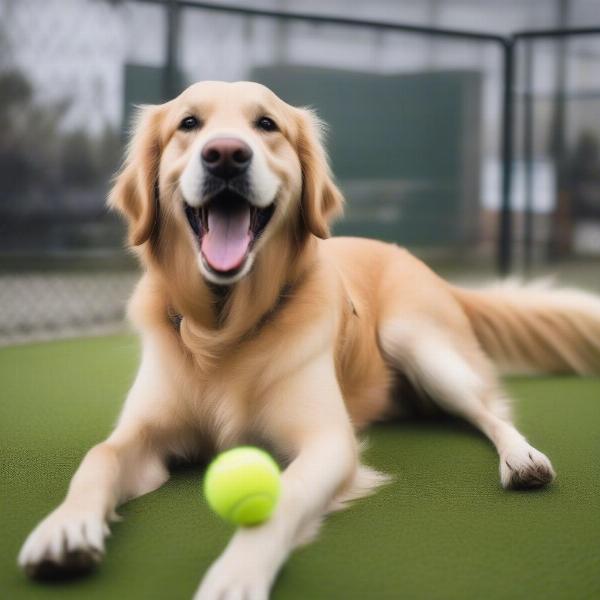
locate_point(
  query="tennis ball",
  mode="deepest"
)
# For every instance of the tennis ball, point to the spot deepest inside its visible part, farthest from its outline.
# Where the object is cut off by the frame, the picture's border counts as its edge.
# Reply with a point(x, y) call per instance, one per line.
point(242, 485)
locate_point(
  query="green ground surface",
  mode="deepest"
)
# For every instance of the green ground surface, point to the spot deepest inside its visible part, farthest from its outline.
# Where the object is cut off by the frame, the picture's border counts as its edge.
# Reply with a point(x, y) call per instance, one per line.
point(445, 529)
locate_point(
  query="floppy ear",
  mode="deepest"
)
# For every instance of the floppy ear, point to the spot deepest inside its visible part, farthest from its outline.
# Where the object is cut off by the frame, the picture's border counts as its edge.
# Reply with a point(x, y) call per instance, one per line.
point(134, 193)
point(321, 199)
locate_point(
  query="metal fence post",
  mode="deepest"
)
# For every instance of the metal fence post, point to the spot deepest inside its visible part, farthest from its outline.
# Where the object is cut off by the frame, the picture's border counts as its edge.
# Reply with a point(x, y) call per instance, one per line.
point(528, 152)
point(506, 229)
point(171, 83)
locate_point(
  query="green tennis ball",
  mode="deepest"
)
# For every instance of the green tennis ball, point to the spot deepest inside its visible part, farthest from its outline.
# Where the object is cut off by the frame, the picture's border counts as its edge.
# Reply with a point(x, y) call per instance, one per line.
point(242, 485)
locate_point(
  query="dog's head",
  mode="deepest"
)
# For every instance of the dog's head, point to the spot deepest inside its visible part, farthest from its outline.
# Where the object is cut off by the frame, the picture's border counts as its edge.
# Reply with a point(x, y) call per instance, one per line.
point(226, 167)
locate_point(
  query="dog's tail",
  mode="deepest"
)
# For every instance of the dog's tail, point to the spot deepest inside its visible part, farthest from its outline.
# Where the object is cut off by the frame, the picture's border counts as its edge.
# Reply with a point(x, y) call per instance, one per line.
point(536, 328)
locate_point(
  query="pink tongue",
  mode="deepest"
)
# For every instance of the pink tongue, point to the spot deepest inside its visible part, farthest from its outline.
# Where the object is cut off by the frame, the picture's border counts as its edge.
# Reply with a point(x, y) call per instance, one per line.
point(226, 243)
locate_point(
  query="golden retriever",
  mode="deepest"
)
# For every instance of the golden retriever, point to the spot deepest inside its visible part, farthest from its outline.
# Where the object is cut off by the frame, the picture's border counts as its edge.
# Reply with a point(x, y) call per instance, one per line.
point(257, 329)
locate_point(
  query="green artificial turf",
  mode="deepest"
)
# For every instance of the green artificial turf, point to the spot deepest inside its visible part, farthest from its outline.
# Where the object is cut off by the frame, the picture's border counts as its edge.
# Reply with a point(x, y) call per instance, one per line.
point(444, 529)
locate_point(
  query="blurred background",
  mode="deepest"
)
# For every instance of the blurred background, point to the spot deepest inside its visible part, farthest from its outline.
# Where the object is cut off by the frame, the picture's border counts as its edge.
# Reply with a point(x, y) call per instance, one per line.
point(415, 133)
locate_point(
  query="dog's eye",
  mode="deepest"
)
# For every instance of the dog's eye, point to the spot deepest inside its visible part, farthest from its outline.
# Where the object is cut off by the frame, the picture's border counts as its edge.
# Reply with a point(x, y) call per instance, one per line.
point(266, 124)
point(189, 123)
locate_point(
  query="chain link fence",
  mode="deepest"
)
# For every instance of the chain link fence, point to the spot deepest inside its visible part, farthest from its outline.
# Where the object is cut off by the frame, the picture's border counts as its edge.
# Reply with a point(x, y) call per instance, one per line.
point(71, 71)
point(414, 133)
point(37, 306)
point(63, 269)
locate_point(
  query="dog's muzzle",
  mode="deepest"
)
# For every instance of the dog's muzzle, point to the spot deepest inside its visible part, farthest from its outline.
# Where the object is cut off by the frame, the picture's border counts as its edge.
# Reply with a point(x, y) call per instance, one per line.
point(227, 224)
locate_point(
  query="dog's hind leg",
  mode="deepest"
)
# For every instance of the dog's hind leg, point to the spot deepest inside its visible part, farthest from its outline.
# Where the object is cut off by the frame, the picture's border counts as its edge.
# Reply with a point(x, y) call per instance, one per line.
point(455, 374)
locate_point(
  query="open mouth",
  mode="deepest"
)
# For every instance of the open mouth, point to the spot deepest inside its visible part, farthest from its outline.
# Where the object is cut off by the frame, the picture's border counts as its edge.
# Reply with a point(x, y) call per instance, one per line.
point(227, 227)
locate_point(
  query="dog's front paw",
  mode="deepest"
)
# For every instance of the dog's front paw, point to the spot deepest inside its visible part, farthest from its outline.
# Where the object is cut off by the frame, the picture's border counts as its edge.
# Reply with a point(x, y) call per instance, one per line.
point(524, 467)
point(230, 579)
point(67, 542)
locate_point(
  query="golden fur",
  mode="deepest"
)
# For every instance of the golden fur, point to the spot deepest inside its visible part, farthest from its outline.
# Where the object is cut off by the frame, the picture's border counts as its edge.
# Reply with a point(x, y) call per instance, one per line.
point(299, 354)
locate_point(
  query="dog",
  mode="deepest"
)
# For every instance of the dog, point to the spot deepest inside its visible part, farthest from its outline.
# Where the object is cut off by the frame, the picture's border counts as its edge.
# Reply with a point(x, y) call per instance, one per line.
point(257, 327)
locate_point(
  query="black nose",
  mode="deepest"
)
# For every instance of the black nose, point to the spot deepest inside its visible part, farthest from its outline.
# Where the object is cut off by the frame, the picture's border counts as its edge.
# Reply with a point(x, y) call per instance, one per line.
point(226, 158)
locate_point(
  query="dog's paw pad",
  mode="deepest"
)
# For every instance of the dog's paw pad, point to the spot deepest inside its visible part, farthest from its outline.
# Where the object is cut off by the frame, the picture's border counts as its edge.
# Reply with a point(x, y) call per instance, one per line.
point(525, 468)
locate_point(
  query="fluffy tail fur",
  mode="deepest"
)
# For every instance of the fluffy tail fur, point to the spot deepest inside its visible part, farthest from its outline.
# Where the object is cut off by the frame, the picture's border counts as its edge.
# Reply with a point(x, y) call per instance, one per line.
point(536, 328)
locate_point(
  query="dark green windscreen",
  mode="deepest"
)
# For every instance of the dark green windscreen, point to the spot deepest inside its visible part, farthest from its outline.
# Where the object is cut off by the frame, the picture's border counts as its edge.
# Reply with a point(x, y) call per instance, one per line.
point(405, 148)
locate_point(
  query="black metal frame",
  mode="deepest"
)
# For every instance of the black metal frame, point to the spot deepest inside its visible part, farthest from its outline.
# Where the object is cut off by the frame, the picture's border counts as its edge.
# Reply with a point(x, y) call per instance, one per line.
point(528, 37)
point(507, 44)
